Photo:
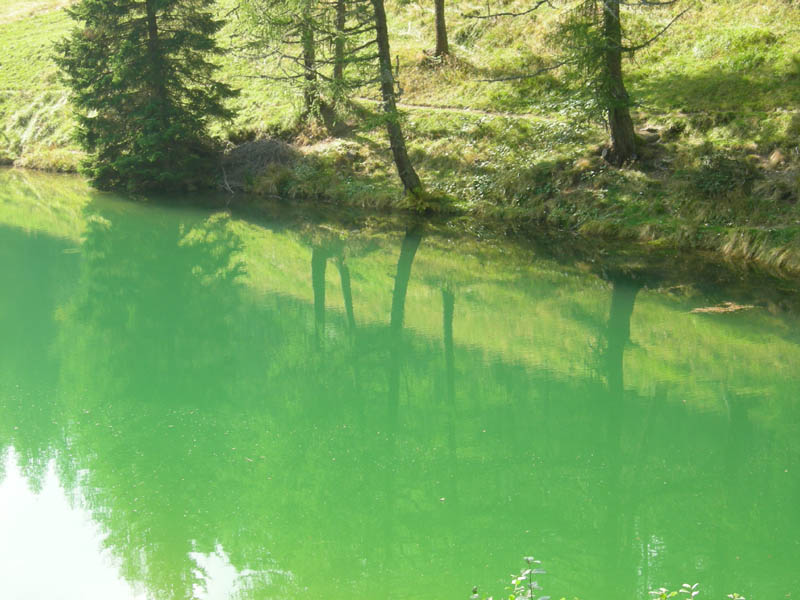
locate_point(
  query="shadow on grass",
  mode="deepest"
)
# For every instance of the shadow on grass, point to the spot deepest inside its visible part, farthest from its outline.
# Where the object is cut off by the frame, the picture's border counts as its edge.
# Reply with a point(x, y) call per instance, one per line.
point(719, 89)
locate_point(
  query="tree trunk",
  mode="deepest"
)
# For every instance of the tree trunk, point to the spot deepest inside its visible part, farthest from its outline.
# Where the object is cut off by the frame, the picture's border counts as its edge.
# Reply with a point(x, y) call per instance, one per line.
point(338, 58)
point(156, 59)
point(405, 169)
point(157, 76)
point(623, 139)
point(310, 92)
point(442, 48)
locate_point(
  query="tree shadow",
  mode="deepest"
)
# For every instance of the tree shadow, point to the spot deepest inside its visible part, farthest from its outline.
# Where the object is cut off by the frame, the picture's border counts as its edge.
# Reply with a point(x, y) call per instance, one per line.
point(717, 89)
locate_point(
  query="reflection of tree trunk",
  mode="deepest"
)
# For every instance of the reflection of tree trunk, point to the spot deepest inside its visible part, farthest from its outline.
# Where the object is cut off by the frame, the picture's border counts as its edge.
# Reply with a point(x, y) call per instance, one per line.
point(319, 260)
point(738, 440)
point(397, 142)
point(738, 486)
point(347, 294)
point(646, 431)
point(623, 296)
point(448, 304)
point(408, 250)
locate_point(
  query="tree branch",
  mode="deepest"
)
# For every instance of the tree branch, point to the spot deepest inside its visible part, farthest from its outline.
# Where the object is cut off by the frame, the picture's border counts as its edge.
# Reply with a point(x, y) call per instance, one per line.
point(510, 14)
point(531, 75)
point(650, 3)
point(655, 37)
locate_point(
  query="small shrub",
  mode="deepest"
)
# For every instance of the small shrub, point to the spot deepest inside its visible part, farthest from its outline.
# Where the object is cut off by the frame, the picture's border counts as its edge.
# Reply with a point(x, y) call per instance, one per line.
point(663, 593)
point(523, 586)
point(719, 174)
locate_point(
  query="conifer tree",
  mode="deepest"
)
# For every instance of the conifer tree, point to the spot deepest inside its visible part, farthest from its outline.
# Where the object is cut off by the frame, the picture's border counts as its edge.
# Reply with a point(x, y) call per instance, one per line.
point(350, 51)
point(323, 47)
point(143, 87)
point(592, 42)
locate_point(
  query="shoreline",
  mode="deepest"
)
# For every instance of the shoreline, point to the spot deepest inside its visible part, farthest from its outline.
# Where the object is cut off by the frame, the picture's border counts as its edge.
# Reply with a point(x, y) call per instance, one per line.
point(774, 248)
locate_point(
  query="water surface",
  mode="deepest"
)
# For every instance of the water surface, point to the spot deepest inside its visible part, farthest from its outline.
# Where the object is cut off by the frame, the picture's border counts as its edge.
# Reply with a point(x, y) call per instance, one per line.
point(199, 405)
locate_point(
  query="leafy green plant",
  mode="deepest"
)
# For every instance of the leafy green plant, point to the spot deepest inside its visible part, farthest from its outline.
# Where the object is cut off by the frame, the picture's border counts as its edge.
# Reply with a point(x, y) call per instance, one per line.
point(523, 585)
point(663, 593)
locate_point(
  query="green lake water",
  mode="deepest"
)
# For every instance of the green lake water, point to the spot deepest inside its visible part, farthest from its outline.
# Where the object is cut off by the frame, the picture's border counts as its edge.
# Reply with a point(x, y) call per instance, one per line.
point(199, 405)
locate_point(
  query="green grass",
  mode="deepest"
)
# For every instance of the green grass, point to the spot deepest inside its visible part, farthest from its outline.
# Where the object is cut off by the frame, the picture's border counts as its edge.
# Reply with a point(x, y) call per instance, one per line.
point(35, 118)
point(721, 88)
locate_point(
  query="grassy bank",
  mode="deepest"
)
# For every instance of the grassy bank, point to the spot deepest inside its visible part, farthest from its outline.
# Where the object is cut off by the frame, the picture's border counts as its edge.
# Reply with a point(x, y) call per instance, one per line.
point(717, 109)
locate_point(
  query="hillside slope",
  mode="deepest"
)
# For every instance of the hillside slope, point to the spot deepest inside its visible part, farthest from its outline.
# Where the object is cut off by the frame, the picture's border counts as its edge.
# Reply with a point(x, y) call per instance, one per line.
point(718, 95)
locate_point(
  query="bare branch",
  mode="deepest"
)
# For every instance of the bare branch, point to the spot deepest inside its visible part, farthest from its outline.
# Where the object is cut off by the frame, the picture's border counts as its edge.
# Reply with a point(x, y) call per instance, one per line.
point(531, 75)
point(650, 3)
point(656, 36)
point(510, 14)
point(235, 9)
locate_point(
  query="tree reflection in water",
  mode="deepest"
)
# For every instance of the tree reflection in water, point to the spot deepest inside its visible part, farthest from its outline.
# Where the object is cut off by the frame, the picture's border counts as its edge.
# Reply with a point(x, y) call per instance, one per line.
point(195, 414)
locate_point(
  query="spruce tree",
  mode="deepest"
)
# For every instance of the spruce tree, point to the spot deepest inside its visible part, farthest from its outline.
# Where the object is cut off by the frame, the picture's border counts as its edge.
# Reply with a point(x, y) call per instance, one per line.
point(144, 90)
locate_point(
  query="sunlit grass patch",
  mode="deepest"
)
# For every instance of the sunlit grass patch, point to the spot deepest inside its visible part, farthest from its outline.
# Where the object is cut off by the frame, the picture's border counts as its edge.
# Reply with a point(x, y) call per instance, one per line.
point(720, 92)
point(21, 9)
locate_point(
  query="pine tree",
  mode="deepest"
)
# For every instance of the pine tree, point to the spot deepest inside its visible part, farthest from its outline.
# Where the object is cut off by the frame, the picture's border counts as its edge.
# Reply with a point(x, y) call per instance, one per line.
point(592, 42)
point(144, 89)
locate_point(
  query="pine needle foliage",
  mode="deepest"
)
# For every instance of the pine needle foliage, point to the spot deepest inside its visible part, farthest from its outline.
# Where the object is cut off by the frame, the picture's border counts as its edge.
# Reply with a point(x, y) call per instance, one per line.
point(580, 45)
point(325, 47)
point(592, 41)
point(141, 78)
